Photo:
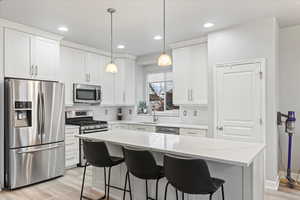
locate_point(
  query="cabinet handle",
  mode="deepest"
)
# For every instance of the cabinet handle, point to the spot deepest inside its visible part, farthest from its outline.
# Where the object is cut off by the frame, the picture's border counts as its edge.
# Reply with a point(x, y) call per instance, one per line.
point(188, 94)
point(192, 98)
point(36, 70)
point(124, 97)
point(31, 70)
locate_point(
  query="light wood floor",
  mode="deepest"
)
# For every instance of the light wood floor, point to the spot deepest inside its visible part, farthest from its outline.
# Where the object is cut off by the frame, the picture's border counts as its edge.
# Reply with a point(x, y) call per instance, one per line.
point(68, 188)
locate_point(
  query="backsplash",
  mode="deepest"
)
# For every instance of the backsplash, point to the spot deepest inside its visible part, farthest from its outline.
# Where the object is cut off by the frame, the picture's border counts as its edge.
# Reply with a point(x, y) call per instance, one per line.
point(187, 114)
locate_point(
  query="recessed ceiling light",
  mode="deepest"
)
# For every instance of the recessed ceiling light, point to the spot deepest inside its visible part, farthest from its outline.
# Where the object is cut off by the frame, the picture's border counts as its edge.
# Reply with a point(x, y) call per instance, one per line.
point(63, 29)
point(158, 37)
point(121, 46)
point(208, 25)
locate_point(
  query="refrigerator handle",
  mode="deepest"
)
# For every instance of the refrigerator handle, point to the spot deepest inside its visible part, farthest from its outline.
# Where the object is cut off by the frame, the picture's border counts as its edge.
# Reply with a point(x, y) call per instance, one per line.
point(39, 114)
point(43, 114)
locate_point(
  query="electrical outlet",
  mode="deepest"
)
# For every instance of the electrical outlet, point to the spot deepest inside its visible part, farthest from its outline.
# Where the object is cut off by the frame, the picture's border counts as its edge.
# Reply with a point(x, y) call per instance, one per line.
point(185, 113)
point(106, 112)
point(195, 113)
point(130, 112)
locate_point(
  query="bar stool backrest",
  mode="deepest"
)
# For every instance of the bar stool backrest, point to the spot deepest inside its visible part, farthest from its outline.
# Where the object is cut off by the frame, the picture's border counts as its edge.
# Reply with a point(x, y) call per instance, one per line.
point(140, 163)
point(96, 153)
point(190, 176)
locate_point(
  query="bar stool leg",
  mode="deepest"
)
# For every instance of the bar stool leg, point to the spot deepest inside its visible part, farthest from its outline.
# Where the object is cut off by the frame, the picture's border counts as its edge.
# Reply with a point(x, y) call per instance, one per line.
point(156, 190)
point(125, 187)
point(176, 194)
point(83, 179)
point(223, 196)
point(182, 198)
point(166, 190)
point(129, 185)
point(105, 185)
point(146, 189)
point(210, 196)
point(109, 170)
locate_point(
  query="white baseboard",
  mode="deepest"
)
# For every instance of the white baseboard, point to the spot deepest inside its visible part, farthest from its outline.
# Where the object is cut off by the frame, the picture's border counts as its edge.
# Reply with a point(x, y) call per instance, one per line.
point(272, 185)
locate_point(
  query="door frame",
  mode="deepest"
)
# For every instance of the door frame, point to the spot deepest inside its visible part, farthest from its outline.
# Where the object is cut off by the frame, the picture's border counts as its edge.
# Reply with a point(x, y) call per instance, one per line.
point(262, 62)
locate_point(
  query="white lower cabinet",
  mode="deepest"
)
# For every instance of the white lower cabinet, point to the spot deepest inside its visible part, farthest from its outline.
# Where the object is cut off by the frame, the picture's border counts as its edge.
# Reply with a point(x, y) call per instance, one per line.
point(193, 132)
point(71, 147)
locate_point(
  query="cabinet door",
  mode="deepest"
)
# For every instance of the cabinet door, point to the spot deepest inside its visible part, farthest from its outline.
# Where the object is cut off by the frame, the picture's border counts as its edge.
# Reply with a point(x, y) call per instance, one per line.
point(129, 82)
point(198, 74)
point(181, 65)
point(107, 83)
point(119, 93)
point(17, 54)
point(71, 70)
point(94, 65)
point(45, 56)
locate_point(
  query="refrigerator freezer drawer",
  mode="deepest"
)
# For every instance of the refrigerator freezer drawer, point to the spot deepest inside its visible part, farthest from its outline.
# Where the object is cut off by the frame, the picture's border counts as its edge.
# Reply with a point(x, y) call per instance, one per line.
point(35, 164)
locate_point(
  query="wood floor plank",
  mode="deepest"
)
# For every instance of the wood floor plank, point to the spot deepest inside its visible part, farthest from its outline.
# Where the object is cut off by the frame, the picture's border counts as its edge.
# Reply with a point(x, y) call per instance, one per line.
point(68, 188)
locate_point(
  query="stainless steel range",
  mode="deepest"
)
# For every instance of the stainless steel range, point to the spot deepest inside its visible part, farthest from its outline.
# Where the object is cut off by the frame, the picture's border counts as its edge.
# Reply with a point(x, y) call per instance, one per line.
point(86, 123)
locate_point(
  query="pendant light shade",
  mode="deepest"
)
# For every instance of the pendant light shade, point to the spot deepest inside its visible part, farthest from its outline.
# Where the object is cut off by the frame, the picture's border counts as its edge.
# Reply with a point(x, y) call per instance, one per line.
point(164, 59)
point(111, 67)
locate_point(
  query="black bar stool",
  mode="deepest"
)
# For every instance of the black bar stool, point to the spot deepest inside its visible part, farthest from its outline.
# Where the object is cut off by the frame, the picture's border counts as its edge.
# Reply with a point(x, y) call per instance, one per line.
point(96, 154)
point(190, 176)
point(141, 164)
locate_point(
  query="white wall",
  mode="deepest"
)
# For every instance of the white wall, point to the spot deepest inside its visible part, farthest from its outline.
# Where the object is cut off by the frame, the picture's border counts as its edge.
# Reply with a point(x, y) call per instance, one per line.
point(289, 94)
point(252, 40)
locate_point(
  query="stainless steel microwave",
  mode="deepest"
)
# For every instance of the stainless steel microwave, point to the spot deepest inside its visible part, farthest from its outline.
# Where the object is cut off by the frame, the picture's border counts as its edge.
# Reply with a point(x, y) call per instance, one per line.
point(83, 93)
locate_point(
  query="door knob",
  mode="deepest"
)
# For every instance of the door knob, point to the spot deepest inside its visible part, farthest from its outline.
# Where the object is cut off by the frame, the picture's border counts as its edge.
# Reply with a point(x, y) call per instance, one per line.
point(220, 128)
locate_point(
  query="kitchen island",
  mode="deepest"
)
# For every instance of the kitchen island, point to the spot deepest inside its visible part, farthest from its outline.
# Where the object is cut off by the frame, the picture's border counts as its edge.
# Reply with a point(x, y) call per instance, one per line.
point(240, 164)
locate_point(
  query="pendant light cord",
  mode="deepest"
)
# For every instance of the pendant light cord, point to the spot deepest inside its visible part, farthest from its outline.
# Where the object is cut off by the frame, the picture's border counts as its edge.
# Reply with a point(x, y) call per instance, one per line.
point(111, 37)
point(164, 25)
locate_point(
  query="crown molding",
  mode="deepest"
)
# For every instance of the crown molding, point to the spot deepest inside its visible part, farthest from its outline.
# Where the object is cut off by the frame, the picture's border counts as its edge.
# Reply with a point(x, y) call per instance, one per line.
point(31, 30)
point(187, 43)
point(86, 48)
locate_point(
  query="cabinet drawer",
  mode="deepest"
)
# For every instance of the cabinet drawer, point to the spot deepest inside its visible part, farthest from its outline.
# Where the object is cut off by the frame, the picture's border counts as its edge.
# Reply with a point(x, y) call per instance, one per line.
point(193, 132)
point(119, 126)
point(142, 128)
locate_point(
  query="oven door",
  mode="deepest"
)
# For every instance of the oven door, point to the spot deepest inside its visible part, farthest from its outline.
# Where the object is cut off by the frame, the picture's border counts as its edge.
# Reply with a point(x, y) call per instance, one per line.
point(90, 94)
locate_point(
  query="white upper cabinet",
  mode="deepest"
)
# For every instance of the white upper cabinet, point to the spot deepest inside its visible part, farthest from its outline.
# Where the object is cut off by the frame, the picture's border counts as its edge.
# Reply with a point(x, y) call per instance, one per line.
point(125, 82)
point(190, 75)
point(17, 54)
point(45, 56)
point(72, 70)
point(94, 65)
point(107, 84)
point(28, 56)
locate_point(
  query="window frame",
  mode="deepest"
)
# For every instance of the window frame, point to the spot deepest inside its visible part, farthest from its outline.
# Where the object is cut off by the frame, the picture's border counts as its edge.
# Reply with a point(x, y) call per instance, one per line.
point(169, 113)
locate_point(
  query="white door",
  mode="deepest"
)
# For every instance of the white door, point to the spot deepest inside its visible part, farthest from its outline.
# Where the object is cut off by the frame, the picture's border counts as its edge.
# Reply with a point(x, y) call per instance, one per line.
point(238, 102)
point(45, 56)
point(17, 54)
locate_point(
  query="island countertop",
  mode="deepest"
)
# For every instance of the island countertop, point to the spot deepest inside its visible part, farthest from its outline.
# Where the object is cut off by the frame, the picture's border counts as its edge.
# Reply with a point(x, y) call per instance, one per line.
point(212, 149)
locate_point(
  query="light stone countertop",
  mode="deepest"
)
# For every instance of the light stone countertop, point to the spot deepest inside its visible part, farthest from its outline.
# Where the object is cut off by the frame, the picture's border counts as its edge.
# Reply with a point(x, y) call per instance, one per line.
point(168, 124)
point(218, 150)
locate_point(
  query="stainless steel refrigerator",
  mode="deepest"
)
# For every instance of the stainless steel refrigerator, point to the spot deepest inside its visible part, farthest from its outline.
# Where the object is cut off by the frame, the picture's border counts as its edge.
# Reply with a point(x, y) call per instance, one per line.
point(34, 131)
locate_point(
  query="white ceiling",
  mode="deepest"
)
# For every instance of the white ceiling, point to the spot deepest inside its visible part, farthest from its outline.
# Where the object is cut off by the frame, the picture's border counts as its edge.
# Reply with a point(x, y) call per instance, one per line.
point(137, 21)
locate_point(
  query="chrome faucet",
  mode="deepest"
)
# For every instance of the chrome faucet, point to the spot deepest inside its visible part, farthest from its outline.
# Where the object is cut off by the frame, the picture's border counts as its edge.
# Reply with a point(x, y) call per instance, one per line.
point(155, 117)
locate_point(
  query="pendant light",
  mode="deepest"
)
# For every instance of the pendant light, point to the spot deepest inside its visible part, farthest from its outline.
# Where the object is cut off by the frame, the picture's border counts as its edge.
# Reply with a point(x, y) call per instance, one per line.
point(164, 59)
point(111, 66)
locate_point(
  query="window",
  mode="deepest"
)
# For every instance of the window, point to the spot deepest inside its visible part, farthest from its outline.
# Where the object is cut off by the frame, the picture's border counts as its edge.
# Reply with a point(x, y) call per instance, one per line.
point(160, 92)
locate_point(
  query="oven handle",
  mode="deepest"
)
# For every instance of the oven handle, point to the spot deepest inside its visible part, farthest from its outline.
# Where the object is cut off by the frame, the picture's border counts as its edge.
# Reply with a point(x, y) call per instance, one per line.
point(94, 131)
